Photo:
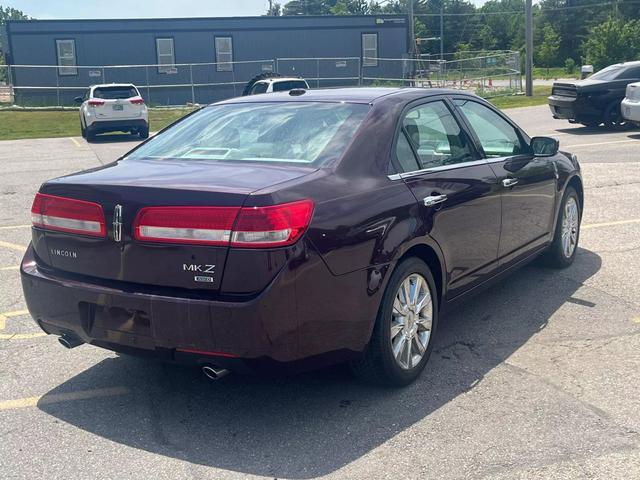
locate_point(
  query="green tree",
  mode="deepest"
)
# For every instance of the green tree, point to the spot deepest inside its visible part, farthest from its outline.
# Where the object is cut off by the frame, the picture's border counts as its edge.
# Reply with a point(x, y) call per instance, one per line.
point(614, 41)
point(7, 13)
point(547, 52)
point(274, 10)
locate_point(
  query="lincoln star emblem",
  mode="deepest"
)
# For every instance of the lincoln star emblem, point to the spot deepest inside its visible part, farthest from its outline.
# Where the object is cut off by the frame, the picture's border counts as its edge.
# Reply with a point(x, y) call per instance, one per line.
point(117, 223)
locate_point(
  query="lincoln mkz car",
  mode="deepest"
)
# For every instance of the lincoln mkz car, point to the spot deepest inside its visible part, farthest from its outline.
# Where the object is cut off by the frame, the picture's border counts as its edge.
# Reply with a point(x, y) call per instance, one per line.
point(299, 229)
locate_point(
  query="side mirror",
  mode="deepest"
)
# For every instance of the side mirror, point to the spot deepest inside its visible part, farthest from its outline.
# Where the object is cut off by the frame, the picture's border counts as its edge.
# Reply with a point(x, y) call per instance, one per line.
point(544, 146)
point(78, 100)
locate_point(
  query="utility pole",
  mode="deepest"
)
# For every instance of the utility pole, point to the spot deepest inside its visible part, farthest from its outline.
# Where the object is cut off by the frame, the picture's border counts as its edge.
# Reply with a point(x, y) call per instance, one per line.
point(528, 66)
point(412, 35)
point(442, 30)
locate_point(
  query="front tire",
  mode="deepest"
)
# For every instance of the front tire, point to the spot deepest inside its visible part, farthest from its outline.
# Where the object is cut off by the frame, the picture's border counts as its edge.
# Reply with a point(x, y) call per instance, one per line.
point(562, 252)
point(402, 337)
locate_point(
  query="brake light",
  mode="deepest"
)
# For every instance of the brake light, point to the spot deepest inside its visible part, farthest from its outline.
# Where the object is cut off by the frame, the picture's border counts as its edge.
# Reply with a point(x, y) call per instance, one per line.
point(249, 227)
point(137, 101)
point(272, 226)
point(200, 225)
point(68, 215)
point(96, 102)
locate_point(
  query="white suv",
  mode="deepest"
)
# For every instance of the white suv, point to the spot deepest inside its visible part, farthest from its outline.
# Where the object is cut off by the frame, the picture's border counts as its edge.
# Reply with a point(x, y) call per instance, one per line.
point(113, 107)
point(278, 84)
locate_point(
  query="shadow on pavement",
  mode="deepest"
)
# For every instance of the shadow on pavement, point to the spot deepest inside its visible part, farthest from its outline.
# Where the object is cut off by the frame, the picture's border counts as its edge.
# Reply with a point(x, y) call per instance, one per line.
point(312, 424)
point(115, 138)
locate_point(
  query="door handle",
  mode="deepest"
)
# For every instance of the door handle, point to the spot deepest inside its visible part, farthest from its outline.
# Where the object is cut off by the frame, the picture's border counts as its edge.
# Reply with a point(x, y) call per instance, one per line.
point(509, 182)
point(434, 200)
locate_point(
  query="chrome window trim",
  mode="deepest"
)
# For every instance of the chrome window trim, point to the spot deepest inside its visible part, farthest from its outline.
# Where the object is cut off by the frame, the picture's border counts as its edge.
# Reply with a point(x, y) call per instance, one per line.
point(441, 168)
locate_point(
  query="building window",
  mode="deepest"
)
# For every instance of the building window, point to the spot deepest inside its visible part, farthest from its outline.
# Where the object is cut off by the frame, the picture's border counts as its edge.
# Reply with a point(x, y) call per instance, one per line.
point(166, 56)
point(224, 54)
point(370, 49)
point(66, 57)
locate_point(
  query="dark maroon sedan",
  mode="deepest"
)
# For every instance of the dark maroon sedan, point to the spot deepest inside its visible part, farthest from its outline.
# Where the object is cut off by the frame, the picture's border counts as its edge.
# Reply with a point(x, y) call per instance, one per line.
point(299, 228)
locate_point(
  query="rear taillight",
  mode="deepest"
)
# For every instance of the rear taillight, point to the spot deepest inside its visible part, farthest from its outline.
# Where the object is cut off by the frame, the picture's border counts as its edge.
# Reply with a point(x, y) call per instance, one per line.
point(137, 101)
point(68, 215)
point(249, 227)
point(96, 103)
point(272, 226)
point(201, 225)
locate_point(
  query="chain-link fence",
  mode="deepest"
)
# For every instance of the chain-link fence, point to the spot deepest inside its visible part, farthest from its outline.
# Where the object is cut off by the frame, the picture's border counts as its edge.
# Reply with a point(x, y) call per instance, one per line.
point(179, 84)
point(492, 74)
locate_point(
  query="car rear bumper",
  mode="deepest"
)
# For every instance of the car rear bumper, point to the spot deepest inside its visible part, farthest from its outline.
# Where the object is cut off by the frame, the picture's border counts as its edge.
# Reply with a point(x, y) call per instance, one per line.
point(273, 326)
point(574, 109)
point(101, 126)
point(631, 110)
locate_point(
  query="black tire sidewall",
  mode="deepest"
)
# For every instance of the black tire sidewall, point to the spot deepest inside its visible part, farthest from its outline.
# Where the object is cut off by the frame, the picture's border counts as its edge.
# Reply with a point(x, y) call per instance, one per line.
point(397, 375)
point(608, 121)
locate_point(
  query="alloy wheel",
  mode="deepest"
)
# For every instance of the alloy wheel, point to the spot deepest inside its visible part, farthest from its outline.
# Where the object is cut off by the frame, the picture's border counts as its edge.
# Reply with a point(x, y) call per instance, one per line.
point(570, 226)
point(411, 321)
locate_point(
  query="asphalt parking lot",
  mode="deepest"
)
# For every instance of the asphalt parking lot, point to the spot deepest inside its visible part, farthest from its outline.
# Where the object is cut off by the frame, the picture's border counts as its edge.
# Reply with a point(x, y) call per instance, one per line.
point(537, 377)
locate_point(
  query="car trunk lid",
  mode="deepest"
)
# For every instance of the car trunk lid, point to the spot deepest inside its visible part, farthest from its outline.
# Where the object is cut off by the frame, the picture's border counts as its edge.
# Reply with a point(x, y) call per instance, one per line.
point(123, 189)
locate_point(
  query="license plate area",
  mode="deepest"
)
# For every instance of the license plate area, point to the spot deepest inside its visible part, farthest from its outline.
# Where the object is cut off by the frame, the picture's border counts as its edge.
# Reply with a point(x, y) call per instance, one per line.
point(118, 325)
point(118, 107)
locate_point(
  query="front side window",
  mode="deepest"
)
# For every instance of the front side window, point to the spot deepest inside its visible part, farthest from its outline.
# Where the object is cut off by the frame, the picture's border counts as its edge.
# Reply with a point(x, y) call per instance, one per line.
point(497, 136)
point(224, 54)
point(289, 132)
point(370, 49)
point(66, 50)
point(432, 135)
point(166, 55)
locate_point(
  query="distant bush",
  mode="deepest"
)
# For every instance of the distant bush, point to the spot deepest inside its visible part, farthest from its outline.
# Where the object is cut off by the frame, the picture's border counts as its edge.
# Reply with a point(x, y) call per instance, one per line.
point(570, 66)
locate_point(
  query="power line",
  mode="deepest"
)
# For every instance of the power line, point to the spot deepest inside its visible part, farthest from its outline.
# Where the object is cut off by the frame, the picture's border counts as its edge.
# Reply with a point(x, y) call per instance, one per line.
point(518, 12)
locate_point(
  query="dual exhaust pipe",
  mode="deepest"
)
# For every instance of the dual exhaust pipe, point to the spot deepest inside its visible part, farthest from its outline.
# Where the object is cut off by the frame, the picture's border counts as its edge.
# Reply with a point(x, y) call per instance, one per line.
point(212, 372)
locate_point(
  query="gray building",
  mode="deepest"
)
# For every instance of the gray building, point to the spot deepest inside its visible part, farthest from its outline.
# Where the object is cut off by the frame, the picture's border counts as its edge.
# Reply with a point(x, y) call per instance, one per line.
point(174, 61)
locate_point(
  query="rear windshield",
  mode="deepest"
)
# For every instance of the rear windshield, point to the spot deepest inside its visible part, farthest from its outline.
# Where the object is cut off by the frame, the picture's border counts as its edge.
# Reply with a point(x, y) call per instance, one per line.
point(289, 85)
point(609, 73)
point(292, 132)
point(114, 93)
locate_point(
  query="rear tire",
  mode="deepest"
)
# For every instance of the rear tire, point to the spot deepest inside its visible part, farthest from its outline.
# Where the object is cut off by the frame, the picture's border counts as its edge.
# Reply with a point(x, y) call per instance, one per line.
point(562, 252)
point(144, 132)
point(403, 333)
point(89, 135)
point(613, 118)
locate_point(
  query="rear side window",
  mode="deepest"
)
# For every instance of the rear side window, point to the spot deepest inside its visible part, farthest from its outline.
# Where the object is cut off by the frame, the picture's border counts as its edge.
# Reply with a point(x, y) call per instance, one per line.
point(259, 88)
point(115, 93)
point(289, 85)
point(288, 132)
point(497, 136)
point(431, 134)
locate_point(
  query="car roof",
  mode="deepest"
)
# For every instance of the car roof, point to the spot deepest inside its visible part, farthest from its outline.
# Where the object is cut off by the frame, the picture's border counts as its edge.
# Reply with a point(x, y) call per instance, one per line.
point(280, 79)
point(348, 95)
point(102, 85)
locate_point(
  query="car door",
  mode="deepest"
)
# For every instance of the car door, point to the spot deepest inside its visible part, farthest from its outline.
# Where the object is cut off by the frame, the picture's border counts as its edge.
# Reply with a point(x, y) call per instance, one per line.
point(529, 183)
point(456, 190)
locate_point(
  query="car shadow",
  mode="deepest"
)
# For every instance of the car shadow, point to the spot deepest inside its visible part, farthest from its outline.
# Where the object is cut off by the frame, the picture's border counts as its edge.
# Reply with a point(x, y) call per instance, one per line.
point(312, 424)
point(581, 131)
point(115, 138)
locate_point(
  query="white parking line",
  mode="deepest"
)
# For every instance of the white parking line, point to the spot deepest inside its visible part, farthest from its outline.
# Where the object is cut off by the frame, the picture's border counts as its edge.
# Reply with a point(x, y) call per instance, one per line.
point(13, 246)
point(62, 397)
point(13, 227)
point(610, 224)
point(600, 143)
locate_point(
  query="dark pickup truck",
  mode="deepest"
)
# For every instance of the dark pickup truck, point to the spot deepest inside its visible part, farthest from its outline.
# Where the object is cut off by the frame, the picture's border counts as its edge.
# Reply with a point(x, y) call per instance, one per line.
point(597, 99)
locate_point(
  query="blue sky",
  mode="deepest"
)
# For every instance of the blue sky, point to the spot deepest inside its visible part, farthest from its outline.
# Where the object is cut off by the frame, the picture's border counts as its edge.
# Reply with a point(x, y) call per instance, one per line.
point(44, 9)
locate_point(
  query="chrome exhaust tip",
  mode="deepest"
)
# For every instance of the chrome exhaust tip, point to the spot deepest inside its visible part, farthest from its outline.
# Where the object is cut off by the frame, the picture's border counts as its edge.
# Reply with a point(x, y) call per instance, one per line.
point(70, 341)
point(214, 373)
